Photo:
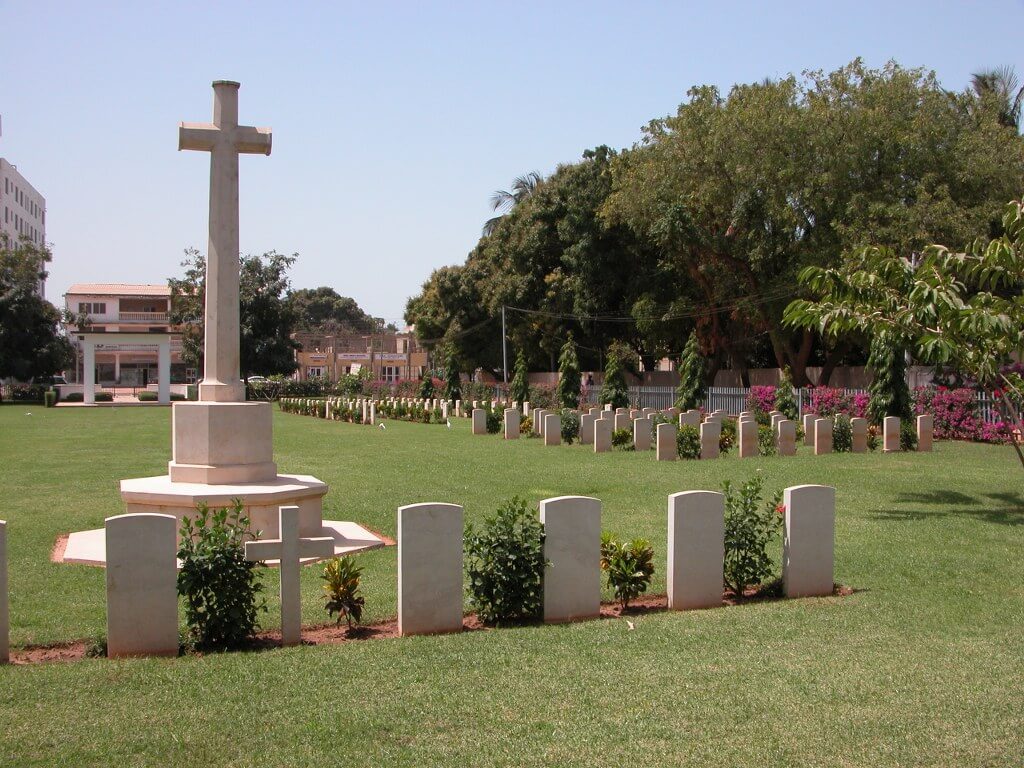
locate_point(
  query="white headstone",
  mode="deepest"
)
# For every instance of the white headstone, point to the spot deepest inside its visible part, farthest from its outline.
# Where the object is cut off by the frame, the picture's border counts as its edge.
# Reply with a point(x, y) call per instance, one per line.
point(859, 431)
point(552, 429)
point(891, 434)
point(5, 616)
point(602, 435)
point(142, 585)
point(587, 429)
point(808, 540)
point(479, 421)
point(786, 438)
point(572, 547)
point(710, 434)
point(429, 569)
point(925, 430)
point(822, 436)
point(642, 434)
point(690, 418)
point(696, 549)
point(538, 421)
point(747, 430)
point(511, 424)
point(809, 419)
point(622, 420)
point(666, 448)
point(288, 550)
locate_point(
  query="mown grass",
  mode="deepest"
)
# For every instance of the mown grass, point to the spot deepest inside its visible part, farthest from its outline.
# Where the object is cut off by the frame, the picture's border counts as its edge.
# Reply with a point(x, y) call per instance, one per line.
point(922, 666)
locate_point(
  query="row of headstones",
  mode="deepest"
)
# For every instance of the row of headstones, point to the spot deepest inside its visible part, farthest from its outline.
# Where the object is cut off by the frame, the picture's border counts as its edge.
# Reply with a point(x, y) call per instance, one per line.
point(818, 433)
point(597, 426)
point(430, 547)
point(141, 583)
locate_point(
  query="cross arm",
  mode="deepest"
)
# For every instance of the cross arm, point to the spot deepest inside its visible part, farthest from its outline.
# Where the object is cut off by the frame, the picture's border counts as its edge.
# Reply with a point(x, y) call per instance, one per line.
point(319, 546)
point(253, 141)
point(267, 549)
point(201, 136)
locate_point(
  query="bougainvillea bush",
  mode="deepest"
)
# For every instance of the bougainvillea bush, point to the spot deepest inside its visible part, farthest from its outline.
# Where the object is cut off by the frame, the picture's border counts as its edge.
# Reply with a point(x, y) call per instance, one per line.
point(761, 399)
point(956, 415)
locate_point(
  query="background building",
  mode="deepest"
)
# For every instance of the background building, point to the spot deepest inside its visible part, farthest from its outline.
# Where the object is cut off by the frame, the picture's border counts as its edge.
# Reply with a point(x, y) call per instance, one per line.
point(124, 308)
point(22, 209)
point(389, 356)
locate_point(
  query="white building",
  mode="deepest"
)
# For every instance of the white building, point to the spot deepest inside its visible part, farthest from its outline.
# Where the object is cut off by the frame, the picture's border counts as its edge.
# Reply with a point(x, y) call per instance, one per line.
point(22, 209)
point(121, 316)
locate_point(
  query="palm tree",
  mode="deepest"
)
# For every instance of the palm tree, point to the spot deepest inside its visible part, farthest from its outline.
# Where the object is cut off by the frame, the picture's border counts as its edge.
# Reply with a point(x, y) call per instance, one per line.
point(1001, 84)
point(505, 201)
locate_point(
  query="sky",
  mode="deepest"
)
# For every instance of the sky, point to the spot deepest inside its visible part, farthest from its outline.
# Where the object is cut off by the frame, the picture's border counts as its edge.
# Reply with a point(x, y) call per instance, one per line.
point(393, 123)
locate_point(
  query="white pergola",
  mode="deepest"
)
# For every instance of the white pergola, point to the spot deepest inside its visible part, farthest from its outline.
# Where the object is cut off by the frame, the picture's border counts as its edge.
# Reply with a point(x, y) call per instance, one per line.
point(162, 341)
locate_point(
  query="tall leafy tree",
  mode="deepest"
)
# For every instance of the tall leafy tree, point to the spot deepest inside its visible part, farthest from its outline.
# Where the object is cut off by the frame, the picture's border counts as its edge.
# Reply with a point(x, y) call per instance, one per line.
point(569, 377)
point(519, 388)
point(613, 388)
point(324, 309)
point(692, 379)
point(890, 395)
point(31, 342)
point(452, 376)
point(265, 316)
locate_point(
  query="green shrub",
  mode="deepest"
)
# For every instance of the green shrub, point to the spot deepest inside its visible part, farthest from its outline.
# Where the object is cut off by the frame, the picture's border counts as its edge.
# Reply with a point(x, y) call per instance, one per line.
point(570, 426)
point(688, 442)
point(220, 587)
point(505, 563)
point(750, 526)
point(873, 438)
point(766, 441)
point(908, 436)
point(842, 434)
point(622, 439)
point(494, 419)
point(341, 592)
point(526, 425)
point(79, 397)
point(629, 566)
point(146, 396)
point(728, 437)
point(104, 397)
point(50, 398)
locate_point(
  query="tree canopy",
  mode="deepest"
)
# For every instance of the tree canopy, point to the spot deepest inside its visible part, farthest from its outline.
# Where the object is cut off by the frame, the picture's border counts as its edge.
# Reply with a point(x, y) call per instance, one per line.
point(323, 309)
point(266, 318)
point(705, 224)
point(31, 342)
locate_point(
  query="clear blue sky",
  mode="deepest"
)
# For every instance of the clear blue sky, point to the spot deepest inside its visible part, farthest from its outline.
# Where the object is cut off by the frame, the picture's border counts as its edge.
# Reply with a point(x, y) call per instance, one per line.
point(393, 122)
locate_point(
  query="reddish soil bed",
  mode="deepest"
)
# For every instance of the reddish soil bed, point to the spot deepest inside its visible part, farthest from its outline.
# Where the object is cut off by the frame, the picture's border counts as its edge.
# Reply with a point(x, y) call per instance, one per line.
point(332, 634)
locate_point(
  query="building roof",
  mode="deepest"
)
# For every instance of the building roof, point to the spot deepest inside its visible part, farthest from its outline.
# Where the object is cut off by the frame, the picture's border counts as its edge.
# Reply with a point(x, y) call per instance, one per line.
point(119, 289)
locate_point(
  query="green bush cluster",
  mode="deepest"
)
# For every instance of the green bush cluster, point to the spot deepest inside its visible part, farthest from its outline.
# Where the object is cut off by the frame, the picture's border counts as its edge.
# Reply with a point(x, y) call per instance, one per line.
point(628, 565)
point(79, 397)
point(751, 525)
point(766, 442)
point(688, 442)
point(220, 587)
point(842, 434)
point(570, 426)
point(622, 439)
point(908, 436)
point(341, 590)
point(504, 562)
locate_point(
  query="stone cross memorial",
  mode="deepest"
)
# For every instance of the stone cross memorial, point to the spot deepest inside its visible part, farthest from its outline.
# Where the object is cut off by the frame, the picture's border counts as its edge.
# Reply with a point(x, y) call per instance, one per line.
point(224, 139)
point(289, 549)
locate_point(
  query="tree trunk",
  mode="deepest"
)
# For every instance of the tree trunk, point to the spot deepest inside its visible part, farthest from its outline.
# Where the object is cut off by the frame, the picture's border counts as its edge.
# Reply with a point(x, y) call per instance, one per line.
point(798, 365)
point(831, 361)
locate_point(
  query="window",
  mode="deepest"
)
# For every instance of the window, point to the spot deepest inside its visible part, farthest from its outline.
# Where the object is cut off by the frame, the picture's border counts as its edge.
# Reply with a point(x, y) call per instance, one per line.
point(314, 371)
point(94, 308)
point(390, 373)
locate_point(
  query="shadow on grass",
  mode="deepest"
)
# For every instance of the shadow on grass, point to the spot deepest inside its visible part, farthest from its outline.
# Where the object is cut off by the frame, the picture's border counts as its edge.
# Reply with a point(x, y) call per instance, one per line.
point(1000, 508)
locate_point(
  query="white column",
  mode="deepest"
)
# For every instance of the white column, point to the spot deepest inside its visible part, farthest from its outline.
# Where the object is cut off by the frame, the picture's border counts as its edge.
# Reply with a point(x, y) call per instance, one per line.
point(117, 367)
point(164, 370)
point(5, 623)
point(89, 371)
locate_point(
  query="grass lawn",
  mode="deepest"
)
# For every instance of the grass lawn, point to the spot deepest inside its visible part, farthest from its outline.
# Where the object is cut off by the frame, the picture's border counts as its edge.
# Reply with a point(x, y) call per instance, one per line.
point(922, 666)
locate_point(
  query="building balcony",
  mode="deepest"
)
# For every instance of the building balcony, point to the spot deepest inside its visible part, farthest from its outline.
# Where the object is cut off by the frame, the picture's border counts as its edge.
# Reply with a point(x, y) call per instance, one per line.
point(142, 317)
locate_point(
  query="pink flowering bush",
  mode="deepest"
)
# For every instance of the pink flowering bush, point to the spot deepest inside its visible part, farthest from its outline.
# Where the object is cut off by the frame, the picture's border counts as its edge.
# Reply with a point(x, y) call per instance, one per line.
point(827, 402)
point(761, 399)
point(955, 412)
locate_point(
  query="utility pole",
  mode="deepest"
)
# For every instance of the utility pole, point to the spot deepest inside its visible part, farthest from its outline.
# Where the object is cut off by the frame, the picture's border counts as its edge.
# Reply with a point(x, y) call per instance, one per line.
point(504, 346)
